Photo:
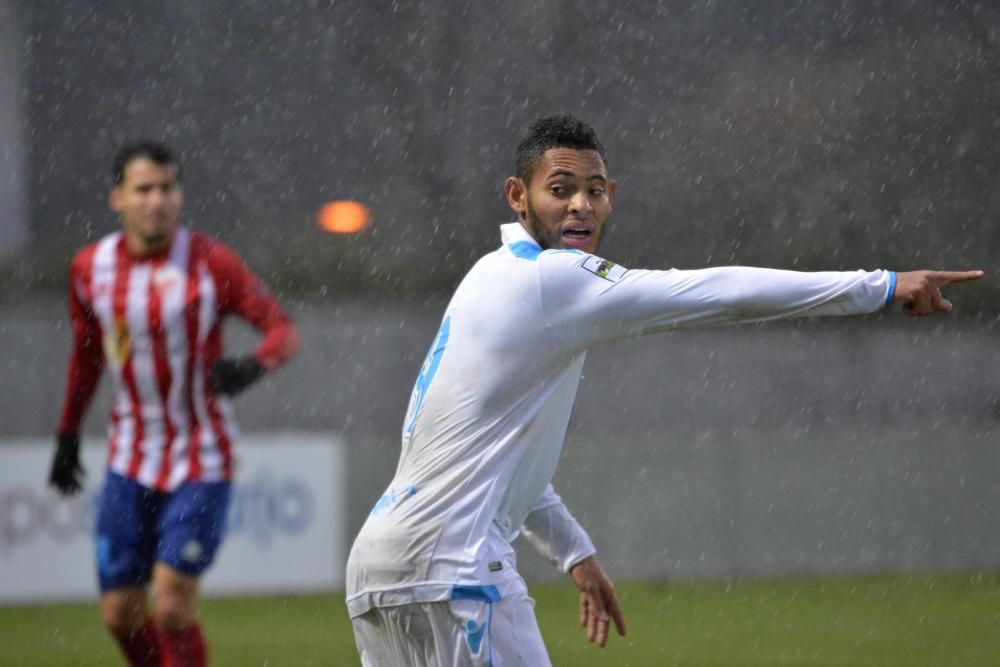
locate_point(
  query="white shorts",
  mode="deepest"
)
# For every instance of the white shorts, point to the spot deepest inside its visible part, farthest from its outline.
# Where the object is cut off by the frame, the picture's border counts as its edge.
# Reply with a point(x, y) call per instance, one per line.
point(457, 633)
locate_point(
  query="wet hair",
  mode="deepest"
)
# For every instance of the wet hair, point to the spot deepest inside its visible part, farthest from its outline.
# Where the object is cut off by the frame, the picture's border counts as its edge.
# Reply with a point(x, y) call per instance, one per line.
point(150, 150)
point(559, 131)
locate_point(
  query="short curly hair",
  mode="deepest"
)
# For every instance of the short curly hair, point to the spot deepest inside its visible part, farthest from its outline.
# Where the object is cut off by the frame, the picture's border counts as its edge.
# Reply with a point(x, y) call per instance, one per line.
point(559, 131)
point(151, 150)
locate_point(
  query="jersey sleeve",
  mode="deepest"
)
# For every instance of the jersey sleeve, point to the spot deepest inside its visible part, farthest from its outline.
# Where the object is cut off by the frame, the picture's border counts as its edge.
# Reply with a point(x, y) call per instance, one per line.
point(243, 294)
point(86, 359)
point(588, 300)
point(555, 534)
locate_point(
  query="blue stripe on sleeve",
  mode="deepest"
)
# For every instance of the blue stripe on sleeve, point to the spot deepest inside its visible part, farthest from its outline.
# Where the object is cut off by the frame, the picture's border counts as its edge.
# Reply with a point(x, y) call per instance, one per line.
point(525, 250)
point(892, 288)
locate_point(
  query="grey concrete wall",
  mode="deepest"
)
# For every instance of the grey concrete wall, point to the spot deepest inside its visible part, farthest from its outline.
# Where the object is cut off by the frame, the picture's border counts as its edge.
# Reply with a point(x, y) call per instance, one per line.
point(13, 134)
point(824, 446)
point(818, 135)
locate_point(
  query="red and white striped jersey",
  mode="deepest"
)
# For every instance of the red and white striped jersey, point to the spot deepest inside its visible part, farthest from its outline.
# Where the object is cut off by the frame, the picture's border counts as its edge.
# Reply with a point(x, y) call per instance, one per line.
point(156, 323)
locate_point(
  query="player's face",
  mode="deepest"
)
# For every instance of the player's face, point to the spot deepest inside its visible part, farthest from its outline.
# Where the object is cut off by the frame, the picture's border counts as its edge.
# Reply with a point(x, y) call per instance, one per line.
point(149, 202)
point(568, 200)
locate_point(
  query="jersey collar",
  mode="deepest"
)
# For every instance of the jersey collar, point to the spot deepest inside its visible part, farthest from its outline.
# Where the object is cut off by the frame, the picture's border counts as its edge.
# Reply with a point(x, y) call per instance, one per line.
point(514, 232)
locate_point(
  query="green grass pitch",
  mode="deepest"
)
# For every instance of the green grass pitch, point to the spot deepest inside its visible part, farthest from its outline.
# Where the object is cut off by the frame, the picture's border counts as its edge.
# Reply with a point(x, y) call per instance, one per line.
point(864, 621)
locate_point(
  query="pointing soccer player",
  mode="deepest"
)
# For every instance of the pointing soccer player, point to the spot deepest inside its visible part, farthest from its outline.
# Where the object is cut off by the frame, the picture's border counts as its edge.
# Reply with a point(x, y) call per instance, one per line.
point(431, 578)
point(148, 303)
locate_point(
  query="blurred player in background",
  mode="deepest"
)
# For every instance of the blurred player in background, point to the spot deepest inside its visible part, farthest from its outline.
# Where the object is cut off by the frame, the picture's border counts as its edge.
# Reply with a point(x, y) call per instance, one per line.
point(148, 302)
point(431, 578)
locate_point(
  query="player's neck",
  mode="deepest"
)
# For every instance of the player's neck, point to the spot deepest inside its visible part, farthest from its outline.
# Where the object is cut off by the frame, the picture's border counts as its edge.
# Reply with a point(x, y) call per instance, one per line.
point(140, 247)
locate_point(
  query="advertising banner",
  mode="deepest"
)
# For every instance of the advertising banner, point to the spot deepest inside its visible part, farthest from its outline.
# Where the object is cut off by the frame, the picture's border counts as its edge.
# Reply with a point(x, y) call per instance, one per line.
point(285, 532)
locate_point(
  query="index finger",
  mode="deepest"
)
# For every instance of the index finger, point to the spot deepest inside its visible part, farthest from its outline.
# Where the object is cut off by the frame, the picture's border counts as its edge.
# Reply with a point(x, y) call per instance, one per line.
point(948, 277)
point(616, 613)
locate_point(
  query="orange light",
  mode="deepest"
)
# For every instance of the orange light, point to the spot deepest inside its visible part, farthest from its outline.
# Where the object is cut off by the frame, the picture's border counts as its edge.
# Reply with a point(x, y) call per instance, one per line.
point(343, 217)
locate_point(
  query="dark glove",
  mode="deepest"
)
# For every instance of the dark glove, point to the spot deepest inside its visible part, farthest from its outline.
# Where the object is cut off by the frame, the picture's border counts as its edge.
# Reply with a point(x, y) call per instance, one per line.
point(231, 376)
point(67, 473)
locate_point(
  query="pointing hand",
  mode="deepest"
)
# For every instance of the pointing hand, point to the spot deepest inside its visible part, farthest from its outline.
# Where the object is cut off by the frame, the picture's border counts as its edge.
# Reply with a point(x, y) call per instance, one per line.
point(920, 291)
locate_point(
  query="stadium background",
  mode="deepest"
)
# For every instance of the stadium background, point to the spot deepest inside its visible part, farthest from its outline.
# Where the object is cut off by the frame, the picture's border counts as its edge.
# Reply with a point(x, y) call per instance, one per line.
point(806, 135)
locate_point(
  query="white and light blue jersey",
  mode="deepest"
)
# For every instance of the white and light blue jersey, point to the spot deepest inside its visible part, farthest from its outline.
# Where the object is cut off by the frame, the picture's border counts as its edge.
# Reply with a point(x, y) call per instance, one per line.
point(490, 408)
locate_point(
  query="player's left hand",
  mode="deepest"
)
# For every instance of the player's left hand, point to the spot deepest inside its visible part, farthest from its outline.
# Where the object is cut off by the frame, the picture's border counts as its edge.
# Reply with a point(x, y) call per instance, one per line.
point(231, 376)
point(598, 602)
point(920, 291)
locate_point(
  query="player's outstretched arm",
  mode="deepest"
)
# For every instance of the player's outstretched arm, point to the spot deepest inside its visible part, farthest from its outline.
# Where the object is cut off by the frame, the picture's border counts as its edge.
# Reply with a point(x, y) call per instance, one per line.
point(920, 291)
point(598, 602)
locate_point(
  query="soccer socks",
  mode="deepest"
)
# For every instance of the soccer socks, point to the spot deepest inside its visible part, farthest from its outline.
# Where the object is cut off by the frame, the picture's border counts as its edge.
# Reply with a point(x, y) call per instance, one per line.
point(150, 647)
point(185, 648)
point(142, 647)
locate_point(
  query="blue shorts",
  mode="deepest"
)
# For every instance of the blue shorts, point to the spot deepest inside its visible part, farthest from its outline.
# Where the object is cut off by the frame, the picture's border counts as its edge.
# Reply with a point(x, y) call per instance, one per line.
point(137, 527)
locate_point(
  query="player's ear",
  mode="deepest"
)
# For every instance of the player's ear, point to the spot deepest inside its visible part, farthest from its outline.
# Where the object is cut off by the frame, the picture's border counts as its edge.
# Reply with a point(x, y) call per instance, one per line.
point(612, 186)
point(115, 199)
point(517, 194)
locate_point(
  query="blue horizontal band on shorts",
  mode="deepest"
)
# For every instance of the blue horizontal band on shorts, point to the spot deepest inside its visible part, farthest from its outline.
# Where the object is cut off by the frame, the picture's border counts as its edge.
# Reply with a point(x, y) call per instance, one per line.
point(892, 289)
point(482, 593)
point(137, 527)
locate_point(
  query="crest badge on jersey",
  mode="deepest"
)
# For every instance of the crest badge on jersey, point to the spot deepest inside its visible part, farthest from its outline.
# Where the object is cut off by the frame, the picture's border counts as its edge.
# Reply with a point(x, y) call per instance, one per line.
point(166, 277)
point(603, 268)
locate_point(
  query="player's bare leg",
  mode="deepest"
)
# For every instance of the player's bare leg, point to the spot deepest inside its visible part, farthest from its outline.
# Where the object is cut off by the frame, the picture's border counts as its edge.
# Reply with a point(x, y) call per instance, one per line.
point(124, 613)
point(175, 612)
